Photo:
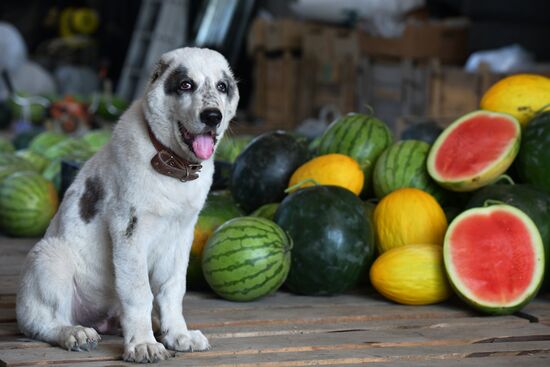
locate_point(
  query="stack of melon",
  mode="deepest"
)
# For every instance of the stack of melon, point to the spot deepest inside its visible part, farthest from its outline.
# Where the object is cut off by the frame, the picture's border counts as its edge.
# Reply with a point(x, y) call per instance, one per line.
point(31, 178)
point(420, 221)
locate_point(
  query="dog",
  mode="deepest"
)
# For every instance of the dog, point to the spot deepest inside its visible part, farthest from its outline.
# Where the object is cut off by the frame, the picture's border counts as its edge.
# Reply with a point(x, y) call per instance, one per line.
point(116, 252)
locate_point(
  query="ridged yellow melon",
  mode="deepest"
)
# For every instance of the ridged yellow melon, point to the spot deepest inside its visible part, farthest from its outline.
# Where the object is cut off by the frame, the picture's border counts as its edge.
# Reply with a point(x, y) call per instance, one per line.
point(407, 216)
point(520, 95)
point(411, 275)
point(329, 169)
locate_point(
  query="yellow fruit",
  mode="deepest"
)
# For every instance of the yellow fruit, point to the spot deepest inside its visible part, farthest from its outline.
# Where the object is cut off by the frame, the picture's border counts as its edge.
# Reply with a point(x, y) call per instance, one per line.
point(520, 95)
point(330, 169)
point(407, 216)
point(411, 275)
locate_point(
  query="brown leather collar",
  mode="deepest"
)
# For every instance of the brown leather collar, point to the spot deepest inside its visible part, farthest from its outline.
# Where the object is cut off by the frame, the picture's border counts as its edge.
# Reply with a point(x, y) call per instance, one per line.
point(168, 163)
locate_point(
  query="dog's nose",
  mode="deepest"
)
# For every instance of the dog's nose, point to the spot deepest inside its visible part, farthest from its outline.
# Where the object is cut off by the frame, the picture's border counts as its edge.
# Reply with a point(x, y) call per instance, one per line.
point(211, 117)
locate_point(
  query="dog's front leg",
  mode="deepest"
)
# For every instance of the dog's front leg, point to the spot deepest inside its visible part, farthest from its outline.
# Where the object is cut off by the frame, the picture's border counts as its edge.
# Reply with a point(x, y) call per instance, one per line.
point(171, 281)
point(134, 293)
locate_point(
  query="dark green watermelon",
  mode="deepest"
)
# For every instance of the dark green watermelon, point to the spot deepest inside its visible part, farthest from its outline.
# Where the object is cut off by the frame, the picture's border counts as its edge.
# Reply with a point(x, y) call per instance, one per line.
point(262, 171)
point(426, 131)
point(333, 239)
point(527, 198)
point(533, 160)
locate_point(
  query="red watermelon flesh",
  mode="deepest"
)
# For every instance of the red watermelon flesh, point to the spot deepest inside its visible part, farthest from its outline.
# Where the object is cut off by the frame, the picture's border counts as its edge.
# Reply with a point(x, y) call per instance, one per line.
point(474, 145)
point(494, 258)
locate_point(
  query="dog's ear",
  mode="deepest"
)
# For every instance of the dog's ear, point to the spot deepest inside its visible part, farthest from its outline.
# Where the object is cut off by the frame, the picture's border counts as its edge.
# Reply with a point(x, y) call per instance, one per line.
point(158, 70)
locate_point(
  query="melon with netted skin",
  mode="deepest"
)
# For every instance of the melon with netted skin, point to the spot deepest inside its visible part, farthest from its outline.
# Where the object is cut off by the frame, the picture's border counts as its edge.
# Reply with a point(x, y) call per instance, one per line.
point(494, 258)
point(474, 150)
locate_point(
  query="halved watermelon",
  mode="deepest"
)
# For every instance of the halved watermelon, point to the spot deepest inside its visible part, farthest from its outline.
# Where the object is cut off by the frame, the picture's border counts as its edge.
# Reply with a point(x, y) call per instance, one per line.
point(474, 150)
point(494, 258)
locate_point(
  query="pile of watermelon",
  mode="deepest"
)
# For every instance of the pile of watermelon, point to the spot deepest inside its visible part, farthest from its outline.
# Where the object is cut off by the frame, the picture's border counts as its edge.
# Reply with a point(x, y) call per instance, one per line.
point(488, 174)
point(34, 177)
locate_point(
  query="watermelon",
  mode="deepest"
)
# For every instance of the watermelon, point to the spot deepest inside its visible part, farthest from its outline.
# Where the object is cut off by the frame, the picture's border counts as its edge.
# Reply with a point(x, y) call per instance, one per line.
point(222, 175)
point(427, 131)
point(246, 258)
point(41, 142)
point(474, 150)
point(27, 204)
point(37, 161)
point(333, 239)
point(96, 139)
point(230, 147)
point(533, 161)
point(218, 209)
point(359, 136)
point(6, 146)
point(11, 159)
point(262, 171)
point(108, 107)
point(266, 211)
point(69, 147)
point(527, 198)
point(404, 165)
point(494, 258)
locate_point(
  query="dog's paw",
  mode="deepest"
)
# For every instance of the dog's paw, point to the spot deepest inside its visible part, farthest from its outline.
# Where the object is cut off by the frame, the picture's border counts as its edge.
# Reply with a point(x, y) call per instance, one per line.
point(191, 340)
point(146, 353)
point(78, 338)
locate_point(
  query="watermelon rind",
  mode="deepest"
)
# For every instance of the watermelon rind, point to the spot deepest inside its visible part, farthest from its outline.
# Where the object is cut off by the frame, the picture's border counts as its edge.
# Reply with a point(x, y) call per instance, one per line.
point(487, 175)
point(487, 306)
point(246, 258)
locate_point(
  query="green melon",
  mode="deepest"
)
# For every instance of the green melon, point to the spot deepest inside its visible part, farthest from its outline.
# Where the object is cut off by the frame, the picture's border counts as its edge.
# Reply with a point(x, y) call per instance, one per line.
point(27, 204)
point(533, 162)
point(41, 142)
point(11, 159)
point(96, 139)
point(404, 165)
point(246, 258)
point(494, 258)
point(218, 209)
point(333, 239)
point(37, 161)
point(360, 137)
point(69, 147)
point(6, 146)
point(266, 211)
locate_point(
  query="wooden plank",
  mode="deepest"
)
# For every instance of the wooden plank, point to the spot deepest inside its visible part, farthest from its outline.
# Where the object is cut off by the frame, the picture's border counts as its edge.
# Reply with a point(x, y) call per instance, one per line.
point(507, 361)
point(9, 284)
point(379, 342)
point(339, 354)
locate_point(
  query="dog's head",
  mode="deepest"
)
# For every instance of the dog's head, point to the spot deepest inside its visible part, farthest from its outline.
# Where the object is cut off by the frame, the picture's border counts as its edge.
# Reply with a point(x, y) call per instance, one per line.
point(190, 100)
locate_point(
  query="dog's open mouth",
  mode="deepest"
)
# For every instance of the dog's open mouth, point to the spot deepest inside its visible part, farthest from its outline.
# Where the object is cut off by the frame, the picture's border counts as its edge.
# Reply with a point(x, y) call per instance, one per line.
point(202, 145)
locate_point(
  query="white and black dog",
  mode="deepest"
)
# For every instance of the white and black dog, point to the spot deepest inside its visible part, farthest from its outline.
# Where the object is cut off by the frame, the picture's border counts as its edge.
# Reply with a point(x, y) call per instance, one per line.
point(117, 249)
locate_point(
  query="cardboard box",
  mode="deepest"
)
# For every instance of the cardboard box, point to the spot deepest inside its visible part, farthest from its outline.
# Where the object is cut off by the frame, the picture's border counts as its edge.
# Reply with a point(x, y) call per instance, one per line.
point(445, 40)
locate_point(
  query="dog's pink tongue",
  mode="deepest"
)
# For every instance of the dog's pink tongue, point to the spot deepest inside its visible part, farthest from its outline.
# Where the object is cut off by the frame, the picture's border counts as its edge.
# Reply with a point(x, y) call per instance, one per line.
point(203, 145)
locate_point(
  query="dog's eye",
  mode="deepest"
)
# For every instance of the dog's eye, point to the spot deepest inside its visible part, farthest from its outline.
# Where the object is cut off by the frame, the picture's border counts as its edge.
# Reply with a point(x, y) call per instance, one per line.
point(222, 87)
point(186, 85)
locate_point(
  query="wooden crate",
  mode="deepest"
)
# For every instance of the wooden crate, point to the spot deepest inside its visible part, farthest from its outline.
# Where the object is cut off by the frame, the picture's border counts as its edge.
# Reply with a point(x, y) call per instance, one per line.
point(276, 89)
point(275, 35)
point(353, 329)
point(391, 89)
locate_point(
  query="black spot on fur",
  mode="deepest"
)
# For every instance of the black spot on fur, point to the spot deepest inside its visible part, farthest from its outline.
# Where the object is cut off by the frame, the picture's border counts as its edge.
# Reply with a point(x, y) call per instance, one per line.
point(231, 85)
point(160, 68)
point(91, 198)
point(131, 223)
point(173, 81)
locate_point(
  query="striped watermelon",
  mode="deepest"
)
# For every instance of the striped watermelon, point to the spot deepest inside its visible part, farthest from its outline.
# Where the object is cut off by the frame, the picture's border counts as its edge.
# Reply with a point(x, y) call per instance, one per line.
point(246, 258)
point(404, 165)
point(6, 145)
point(27, 204)
point(41, 142)
point(12, 160)
point(359, 136)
